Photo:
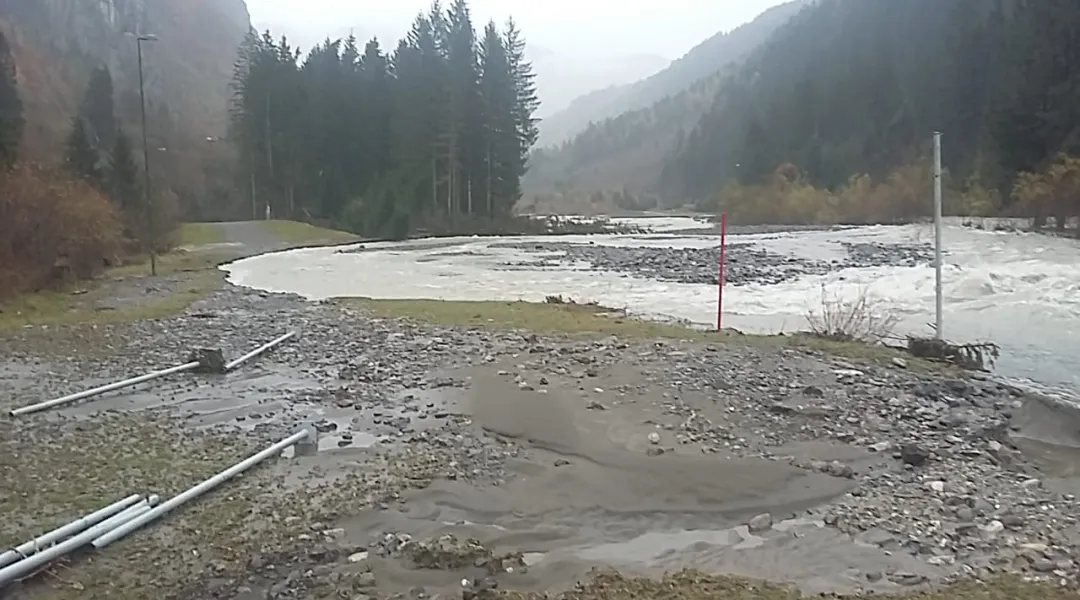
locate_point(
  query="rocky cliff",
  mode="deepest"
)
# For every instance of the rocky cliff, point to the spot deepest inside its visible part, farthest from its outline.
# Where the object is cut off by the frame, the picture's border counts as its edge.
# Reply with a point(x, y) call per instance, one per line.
point(57, 43)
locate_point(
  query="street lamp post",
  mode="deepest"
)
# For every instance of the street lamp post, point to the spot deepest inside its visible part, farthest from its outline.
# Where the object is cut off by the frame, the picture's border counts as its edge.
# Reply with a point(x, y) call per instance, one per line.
point(150, 220)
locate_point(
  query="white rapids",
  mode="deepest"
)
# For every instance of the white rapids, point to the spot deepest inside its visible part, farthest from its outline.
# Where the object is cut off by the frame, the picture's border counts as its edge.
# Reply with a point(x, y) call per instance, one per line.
point(1020, 290)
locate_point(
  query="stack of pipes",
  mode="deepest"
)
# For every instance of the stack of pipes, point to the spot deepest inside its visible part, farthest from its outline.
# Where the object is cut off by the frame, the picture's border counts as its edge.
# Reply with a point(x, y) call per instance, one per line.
point(26, 558)
point(102, 527)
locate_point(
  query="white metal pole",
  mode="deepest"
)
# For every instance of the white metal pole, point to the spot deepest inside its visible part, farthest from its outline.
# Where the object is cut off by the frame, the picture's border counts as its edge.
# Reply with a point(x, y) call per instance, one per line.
point(938, 302)
point(27, 565)
point(40, 406)
point(198, 490)
point(250, 355)
point(19, 552)
point(117, 520)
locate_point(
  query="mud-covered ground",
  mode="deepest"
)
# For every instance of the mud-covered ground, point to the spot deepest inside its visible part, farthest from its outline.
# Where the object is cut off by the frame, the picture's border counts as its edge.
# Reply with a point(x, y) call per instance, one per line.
point(476, 460)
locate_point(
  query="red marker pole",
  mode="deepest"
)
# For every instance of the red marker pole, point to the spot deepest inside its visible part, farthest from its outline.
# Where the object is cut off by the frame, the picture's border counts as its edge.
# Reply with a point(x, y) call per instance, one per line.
point(720, 286)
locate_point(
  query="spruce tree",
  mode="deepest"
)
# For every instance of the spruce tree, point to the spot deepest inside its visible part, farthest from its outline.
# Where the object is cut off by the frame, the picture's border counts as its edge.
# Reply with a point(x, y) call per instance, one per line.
point(123, 174)
point(99, 114)
point(80, 158)
point(11, 107)
point(501, 147)
point(386, 142)
point(527, 102)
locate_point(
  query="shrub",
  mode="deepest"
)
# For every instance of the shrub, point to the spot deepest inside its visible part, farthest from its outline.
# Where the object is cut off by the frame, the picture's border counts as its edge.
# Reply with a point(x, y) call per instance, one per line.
point(52, 229)
point(861, 319)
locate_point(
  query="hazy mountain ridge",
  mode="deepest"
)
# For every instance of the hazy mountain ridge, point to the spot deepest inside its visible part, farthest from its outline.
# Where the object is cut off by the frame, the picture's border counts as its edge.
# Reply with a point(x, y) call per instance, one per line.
point(700, 62)
point(626, 153)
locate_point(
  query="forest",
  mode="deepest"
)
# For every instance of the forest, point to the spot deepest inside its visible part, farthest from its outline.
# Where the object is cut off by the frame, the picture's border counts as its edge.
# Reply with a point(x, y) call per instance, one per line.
point(432, 134)
point(846, 94)
point(998, 78)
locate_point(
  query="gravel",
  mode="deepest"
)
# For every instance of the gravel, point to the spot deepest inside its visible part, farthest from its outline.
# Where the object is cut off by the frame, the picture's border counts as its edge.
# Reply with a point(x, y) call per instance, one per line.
point(936, 473)
point(744, 263)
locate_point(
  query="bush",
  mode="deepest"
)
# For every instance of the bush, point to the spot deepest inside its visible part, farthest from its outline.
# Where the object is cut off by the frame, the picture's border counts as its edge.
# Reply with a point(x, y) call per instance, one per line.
point(788, 198)
point(861, 319)
point(53, 229)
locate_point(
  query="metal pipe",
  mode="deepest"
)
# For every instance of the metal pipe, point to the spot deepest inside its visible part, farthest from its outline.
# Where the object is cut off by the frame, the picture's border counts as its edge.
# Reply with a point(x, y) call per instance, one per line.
point(108, 525)
point(21, 551)
point(198, 490)
point(250, 355)
point(33, 408)
point(32, 562)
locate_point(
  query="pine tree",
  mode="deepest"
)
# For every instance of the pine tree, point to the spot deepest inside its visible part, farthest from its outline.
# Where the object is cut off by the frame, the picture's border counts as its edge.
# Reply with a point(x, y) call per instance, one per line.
point(500, 104)
point(384, 143)
point(124, 174)
point(98, 113)
point(80, 158)
point(527, 102)
point(11, 107)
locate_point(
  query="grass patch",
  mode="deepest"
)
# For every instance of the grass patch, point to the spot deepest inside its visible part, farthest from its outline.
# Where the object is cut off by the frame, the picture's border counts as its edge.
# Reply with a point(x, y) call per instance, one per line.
point(695, 585)
point(183, 278)
point(199, 234)
point(590, 321)
point(579, 319)
point(67, 308)
point(295, 232)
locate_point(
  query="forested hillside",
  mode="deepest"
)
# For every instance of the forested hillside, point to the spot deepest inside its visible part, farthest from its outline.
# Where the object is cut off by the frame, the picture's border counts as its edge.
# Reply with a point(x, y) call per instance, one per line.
point(616, 138)
point(57, 44)
point(699, 63)
point(434, 131)
point(856, 87)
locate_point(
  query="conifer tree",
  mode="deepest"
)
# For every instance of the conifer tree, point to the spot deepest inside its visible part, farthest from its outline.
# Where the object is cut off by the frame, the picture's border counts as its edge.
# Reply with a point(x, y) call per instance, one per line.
point(384, 142)
point(123, 174)
point(11, 107)
point(79, 156)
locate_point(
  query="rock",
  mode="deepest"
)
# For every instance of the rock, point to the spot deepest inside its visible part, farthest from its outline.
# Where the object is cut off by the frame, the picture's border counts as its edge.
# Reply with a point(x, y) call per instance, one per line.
point(654, 438)
point(914, 455)
point(761, 522)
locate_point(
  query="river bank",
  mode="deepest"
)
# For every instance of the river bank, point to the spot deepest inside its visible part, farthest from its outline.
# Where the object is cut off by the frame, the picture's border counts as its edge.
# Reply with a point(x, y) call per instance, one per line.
point(560, 437)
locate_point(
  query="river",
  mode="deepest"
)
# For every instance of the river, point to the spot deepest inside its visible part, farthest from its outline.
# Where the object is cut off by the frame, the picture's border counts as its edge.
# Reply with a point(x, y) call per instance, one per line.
point(1020, 290)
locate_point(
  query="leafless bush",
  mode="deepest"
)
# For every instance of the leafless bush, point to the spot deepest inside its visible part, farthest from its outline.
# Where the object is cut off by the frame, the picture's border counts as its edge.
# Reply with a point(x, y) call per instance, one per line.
point(862, 319)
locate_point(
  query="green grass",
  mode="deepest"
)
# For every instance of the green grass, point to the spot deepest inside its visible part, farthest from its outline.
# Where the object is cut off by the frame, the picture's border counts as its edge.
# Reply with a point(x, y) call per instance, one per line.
point(695, 585)
point(199, 234)
point(68, 308)
point(592, 321)
point(295, 232)
point(191, 276)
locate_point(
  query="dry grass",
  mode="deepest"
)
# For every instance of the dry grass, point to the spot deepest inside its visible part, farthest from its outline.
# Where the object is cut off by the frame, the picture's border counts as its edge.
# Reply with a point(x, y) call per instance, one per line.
point(295, 232)
point(860, 319)
point(586, 320)
point(695, 585)
point(199, 234)
point(185, 276)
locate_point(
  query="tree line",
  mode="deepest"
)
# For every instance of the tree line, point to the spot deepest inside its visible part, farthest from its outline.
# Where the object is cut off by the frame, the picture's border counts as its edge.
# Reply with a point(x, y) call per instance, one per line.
point(853, 87)
point(68, 220)
point(436, 131)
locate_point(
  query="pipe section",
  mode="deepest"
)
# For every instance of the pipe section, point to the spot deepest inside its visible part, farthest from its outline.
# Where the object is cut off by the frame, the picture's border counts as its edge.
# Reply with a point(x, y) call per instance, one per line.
point(198, 490)
point(250, 355)
point(33, 408)
point(21, 551)
point(29, 564)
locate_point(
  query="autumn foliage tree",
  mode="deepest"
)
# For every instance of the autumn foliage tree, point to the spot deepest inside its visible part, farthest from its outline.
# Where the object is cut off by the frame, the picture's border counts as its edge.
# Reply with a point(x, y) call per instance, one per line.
point(1051, 192)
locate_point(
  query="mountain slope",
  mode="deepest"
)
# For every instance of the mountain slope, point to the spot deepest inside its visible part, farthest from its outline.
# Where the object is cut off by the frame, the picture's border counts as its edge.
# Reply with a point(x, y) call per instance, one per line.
point(57, 43)
point(626, 153)
point(561, 78)
point(700, 62)
point(841, 91)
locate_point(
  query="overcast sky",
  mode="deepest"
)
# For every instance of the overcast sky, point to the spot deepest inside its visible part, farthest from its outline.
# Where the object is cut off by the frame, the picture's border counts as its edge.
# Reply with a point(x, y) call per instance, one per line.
point(666, 28)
